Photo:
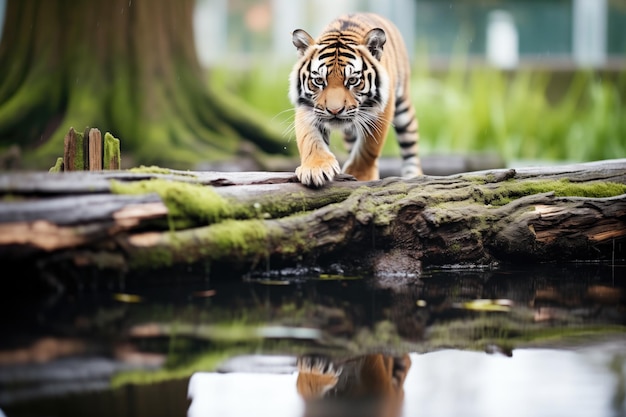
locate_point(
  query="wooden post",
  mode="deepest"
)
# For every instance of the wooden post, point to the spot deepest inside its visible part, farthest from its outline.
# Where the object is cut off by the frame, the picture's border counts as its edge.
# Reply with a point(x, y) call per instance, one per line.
point(112, 155)
point(88, 151)
point(86, 148)
point(74, 154)
point(95, 150)
point(67, 141)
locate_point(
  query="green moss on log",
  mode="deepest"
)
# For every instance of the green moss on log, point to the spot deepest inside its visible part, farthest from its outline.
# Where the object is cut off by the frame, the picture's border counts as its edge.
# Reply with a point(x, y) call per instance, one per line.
point(188, 204)
point(79, 153)
point(245, 237)
point(154, 169)
point(58, 166)
point(231, 239)
point(192, 205)
point(513, 189)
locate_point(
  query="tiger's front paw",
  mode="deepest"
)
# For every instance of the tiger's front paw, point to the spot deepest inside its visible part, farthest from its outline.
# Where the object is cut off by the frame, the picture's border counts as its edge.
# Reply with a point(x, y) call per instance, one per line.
point(318, 171)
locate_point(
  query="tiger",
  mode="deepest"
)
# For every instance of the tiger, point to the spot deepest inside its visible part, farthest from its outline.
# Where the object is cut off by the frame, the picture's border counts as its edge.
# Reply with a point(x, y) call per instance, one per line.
point(353, 78)
point(366, 385)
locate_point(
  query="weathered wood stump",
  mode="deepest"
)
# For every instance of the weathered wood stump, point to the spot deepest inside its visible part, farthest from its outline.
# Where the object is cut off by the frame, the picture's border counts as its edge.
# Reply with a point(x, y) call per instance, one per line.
point(88, 151)
point(146, 218)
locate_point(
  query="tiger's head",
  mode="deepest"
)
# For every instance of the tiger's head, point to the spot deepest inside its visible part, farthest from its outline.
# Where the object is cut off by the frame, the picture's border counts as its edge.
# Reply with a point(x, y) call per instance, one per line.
point(340, 79)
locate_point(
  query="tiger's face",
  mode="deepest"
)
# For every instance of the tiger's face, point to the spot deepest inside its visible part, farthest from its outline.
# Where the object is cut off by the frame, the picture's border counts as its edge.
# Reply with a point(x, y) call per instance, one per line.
point(340, 80)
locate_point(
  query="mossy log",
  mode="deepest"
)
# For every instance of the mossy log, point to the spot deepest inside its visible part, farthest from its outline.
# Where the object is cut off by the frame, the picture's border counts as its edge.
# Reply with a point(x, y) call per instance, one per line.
point(147, 218)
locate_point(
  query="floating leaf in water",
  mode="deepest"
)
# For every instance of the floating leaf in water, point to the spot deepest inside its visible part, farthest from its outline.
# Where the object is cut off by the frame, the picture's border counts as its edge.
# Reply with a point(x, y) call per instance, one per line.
point(604, 294)
point(273, 282)
point(336, 277)
point(127, 298)
point(487, 305)
point(204, 294)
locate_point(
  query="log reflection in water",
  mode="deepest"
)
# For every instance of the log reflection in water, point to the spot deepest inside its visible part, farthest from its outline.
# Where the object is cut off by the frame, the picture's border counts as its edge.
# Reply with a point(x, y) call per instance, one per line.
point(197, 327)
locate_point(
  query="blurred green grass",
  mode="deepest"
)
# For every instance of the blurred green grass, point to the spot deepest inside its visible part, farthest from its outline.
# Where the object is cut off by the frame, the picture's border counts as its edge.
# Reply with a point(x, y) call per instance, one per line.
point(479, 110)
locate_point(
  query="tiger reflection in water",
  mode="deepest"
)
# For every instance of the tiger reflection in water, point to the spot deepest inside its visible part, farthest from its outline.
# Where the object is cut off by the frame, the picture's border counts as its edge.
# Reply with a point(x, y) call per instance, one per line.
point(366, 386)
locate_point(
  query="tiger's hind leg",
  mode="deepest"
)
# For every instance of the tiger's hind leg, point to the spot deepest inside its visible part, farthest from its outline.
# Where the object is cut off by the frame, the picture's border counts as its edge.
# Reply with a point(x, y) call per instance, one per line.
point(406, 127)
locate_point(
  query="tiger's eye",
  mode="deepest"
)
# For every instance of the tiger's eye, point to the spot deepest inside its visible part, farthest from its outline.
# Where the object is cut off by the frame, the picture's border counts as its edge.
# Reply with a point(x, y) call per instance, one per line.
point(318, 81)
point(353, 80)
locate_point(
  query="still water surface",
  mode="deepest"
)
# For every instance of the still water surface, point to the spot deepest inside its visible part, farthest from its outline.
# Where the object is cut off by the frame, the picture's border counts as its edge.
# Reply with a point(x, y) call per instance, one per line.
point(540, 341)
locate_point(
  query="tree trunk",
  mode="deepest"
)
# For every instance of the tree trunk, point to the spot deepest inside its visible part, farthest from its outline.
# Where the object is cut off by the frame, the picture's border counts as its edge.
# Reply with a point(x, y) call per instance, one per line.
point(129, 68)
point(155, 218)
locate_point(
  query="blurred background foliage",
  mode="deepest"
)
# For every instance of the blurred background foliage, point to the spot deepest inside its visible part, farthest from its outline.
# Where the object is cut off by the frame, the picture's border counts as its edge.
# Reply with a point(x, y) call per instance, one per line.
point(528, 80)
point(563, 98)
point(481, 110)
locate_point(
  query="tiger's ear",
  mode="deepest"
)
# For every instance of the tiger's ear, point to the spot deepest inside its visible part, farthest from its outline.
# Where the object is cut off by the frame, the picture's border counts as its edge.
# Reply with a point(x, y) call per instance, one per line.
point(301, 40)
point(374, 41)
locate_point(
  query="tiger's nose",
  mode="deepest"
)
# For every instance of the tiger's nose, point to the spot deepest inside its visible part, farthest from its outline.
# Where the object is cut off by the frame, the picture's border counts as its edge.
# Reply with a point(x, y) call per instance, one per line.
point(335, 110)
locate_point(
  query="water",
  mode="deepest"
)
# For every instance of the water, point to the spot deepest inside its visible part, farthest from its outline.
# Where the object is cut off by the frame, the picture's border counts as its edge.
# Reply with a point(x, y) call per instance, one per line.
point(534, 382)
point(540, 341)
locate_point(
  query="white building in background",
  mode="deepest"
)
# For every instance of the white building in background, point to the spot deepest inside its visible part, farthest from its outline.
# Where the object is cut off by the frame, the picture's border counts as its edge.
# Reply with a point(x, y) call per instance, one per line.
point(228, 30)
point(3, 6)
point(502, 46)
point(589, 30)
point(266, 25)
point(210, 26)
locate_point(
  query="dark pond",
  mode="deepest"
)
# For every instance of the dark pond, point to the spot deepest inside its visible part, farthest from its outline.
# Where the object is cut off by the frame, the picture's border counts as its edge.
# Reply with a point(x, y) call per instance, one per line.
point(536, 341)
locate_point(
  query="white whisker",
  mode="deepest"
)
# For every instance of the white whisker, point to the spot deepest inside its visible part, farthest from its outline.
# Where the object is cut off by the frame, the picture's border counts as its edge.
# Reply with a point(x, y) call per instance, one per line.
point(289, 131)
point(369, 124)
point(291, 110)
point(287, 121)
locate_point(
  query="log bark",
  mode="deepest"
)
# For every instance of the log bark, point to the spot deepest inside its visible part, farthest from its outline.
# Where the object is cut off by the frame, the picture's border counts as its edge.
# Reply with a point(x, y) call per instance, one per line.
point(267, 223)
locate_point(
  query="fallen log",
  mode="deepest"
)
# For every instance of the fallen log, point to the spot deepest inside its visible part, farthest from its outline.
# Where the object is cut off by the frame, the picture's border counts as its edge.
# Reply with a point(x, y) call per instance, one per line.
point(266, 222)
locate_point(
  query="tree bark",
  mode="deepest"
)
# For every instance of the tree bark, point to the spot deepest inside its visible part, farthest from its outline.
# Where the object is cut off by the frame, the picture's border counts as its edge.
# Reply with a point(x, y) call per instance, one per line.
point(139, 220)
point(129, 68)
